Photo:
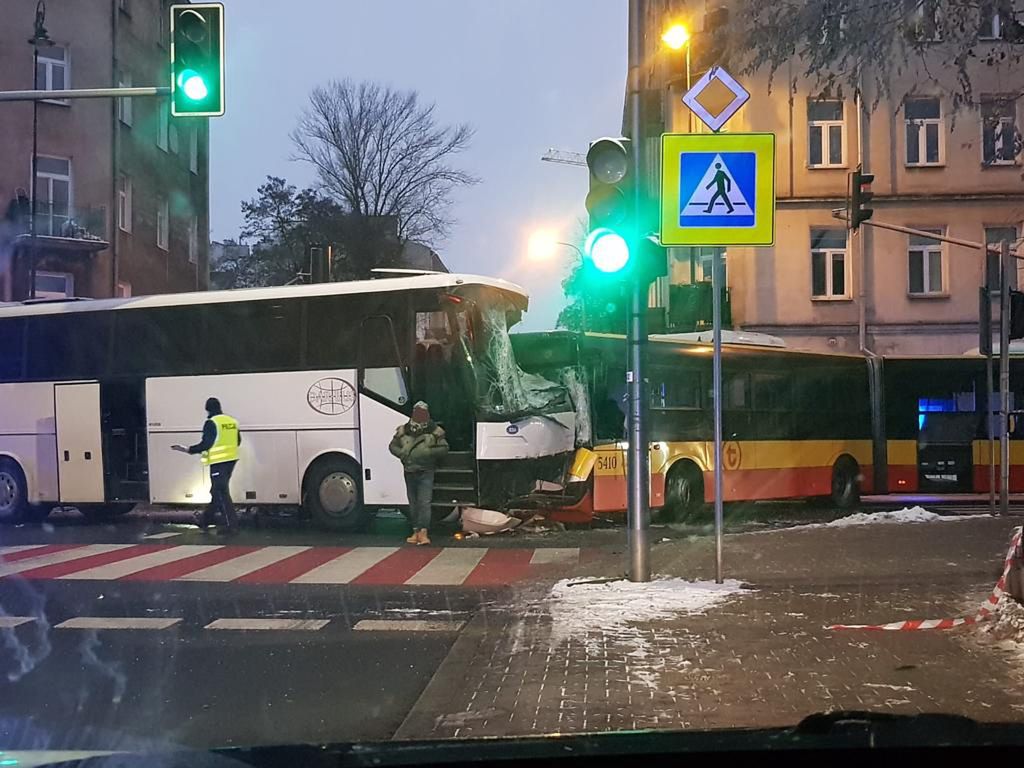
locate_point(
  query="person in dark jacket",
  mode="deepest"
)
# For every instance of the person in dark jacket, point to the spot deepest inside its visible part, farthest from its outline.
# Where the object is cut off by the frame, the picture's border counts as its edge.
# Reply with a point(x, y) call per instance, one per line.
point(421, 445)
point(218, 448)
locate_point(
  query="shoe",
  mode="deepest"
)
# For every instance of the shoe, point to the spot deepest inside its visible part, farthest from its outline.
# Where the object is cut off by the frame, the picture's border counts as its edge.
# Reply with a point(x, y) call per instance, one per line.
point(421, 537)
point(414, 539)
point(200, 521)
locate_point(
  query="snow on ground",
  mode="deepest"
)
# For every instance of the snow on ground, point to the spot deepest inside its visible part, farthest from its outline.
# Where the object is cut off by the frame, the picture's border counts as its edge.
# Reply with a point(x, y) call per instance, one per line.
point(889, 517)
point(577, 608)
point(1007, 623)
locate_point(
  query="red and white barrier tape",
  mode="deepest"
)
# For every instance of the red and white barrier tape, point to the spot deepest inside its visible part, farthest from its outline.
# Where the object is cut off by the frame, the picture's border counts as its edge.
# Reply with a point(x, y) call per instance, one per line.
point(984, 611)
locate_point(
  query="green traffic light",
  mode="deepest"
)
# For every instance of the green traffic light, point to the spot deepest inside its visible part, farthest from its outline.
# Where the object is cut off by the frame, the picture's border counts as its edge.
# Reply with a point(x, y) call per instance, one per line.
point(193, 85)
point(608, 250)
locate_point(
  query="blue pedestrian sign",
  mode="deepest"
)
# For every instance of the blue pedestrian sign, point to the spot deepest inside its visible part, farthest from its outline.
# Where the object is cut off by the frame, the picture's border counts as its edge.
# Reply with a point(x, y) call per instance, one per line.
point(718, 189)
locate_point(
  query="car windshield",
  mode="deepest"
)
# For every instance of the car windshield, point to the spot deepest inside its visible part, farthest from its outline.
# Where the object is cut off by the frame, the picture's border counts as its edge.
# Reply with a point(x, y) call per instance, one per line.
point(400, 372)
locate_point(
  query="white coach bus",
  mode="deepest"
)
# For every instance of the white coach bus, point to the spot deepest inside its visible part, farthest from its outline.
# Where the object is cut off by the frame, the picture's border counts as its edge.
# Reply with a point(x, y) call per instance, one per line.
point(94, 392)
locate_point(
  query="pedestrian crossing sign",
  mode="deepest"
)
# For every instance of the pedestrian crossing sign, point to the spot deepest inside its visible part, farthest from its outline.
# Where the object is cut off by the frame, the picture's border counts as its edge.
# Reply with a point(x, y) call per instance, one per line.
point(718, 189)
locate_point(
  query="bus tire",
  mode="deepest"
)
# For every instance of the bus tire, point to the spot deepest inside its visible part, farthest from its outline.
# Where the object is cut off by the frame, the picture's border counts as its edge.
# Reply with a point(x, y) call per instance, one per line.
point(13, 492)
point(845, 483)
point(684, 492)
point(332, 494)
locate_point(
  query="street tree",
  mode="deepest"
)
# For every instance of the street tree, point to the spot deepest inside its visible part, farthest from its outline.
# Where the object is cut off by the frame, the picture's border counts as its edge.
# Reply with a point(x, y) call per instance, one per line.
point(879, 49)
point(383, 156)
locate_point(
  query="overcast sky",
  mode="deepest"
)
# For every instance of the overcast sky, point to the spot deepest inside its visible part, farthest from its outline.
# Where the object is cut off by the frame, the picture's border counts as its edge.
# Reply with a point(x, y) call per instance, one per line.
point(527, 74)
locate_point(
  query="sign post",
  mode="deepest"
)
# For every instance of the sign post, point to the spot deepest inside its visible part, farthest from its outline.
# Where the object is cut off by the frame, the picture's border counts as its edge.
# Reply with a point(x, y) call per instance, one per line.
point(718, 190)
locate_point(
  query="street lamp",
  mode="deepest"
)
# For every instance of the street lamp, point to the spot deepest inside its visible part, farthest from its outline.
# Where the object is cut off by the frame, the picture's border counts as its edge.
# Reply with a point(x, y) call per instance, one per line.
point(40, 39)
point(676, 37)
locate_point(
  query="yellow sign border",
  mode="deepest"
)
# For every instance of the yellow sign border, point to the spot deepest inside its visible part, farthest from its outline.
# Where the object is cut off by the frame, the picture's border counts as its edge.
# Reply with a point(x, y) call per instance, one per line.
point(762, 145)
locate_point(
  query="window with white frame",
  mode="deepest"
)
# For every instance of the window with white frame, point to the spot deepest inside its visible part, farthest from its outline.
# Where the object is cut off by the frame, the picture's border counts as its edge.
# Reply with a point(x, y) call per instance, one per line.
point(193, 149)
point(162, 124)
point(163, 225)
point(999, 140)
point(926, 268)
point(52, 192)
point(990, 28)
point(829, 266)
point(124, 289)
point(826, 133)
point(193, 240)
point(53, 71)
point(994, 237)
point(925, 134)
point(703, 257)
point(924, 20)
point(54, 285)
point(124, 104)
point(124, 203)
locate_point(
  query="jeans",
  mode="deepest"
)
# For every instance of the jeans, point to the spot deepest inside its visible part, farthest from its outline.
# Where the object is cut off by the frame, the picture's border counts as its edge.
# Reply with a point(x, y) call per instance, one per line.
point(420, 487)
point(220, 495)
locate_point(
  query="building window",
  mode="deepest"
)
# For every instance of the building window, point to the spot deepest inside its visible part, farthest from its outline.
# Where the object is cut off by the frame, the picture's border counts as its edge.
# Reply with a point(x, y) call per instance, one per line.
point(923, 118)
point(54, 285)
point(828, 264)
point(53, 71)
point(826, 133)
point(163, 222)
point(53, 194)
point(124, 203)
point(193, 149)
point(172, 133)
point(703, 261)
point(124, 104)
point(124, 290)
point(193, 240)
point(926, 273)
point(162, 124)
point(924, 20)
point(998, 131)
point(991, 27)
point(994, 237)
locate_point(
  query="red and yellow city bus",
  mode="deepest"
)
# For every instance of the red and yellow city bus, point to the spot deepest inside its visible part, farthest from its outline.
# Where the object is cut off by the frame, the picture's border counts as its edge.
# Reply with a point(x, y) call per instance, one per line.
point(795, 424)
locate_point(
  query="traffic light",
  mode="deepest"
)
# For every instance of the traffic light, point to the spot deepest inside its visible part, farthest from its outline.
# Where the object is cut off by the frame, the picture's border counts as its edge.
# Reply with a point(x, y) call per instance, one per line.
point(197, 60)
point(859, 195)
point(610, 204)
point(984, 322)
point(1016, 315)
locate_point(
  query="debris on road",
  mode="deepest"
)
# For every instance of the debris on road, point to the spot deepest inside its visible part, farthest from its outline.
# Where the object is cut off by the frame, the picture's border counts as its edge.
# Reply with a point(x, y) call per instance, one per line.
point(1008, 622)
point(487, 521)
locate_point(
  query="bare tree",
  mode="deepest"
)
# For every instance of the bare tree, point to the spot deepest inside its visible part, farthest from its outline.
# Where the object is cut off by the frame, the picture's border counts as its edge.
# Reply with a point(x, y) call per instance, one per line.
point(381, 153)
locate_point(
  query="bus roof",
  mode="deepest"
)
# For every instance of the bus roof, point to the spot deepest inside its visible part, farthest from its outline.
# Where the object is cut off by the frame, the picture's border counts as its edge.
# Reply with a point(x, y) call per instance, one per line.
point(382, 285)
point(736, 348)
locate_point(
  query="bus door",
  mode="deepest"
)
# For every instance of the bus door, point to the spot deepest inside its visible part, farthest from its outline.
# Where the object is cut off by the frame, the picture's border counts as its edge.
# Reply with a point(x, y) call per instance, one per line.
point(947, 427)
point(79, 442)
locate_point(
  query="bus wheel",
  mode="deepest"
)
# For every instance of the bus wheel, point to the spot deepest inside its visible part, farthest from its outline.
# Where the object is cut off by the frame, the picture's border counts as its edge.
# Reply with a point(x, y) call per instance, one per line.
point(845, 488)
point(13, 492)
point(684, 492)
point(332, 494)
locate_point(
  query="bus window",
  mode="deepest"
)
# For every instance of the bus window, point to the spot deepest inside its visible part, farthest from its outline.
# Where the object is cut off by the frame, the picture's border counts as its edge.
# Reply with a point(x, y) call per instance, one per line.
point(72, 346)
point(332, 332)
point(675, 389)
point(157, 341)
point(772, 392)
point(380, 360)
point(737, 391)
point(252, 336)
point(12, 349)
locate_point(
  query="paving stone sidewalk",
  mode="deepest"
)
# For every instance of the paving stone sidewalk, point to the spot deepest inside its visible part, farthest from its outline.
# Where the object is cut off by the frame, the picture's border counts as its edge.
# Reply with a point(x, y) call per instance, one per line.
point(763, 658)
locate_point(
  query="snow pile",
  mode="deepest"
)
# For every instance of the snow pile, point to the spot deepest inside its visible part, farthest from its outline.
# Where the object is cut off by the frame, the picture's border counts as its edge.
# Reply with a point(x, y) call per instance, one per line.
point(905, 515)
point(1007, 623)
point(578, 608)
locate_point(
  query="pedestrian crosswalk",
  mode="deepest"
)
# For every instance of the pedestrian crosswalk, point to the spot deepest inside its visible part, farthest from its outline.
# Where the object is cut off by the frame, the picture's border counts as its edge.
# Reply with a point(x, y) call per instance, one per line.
point(414, 566)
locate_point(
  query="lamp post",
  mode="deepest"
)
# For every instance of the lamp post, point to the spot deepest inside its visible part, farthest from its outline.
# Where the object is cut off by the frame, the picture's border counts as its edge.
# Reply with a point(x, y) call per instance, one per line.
point(40, 39)
point(677, 37)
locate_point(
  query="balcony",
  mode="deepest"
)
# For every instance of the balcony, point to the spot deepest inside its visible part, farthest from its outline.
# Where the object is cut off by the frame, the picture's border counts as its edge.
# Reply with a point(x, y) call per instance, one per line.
point(689, 308)
point(60, 220)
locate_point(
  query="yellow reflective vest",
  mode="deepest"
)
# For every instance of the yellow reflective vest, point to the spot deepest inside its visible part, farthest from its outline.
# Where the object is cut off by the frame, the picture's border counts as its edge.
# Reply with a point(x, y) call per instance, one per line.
point(225, 447)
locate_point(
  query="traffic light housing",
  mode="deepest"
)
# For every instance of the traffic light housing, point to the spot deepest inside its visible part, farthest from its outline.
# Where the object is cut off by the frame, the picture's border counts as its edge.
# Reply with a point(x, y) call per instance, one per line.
point(857, 198)
point(197, 60)
point(1016, 315)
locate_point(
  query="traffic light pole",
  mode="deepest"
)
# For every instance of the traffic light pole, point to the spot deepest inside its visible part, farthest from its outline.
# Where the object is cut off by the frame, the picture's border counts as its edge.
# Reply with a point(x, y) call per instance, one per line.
point(638, 452)
point(84, 93)
point(1005, 263)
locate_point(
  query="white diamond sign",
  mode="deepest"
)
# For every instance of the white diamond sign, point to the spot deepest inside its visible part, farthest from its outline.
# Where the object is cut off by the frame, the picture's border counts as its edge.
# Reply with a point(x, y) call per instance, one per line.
point(715, 98)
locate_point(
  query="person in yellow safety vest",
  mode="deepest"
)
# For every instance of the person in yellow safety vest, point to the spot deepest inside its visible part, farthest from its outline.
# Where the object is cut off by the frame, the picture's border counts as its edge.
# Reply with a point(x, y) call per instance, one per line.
point(219, 450)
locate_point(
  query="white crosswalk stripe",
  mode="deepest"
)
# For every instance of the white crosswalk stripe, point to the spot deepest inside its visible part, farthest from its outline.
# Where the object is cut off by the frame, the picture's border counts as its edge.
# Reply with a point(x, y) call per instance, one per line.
point(256, 625)
point(19, 548)
point(140, 562)
point(407, 625)
point(64, 556)
point(10, 622)
point(555, 555)
point(347, 567)
point(239, 566)
point(450, 567)
point(116, 622)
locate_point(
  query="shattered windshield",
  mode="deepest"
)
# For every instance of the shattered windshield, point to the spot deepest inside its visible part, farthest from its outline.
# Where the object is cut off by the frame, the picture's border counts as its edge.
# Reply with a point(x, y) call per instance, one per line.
point(388, 374)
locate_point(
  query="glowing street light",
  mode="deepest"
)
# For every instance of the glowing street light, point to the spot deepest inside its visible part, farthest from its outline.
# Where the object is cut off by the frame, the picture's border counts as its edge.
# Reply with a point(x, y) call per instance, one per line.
point(676, 36)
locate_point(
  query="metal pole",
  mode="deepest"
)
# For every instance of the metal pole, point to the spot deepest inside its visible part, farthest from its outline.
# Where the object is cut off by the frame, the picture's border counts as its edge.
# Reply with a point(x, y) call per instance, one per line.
point(35, 175)
point(716, 322)
point(990, 385)
point(1004, 379)
point(85, 93)
point(638, 451)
